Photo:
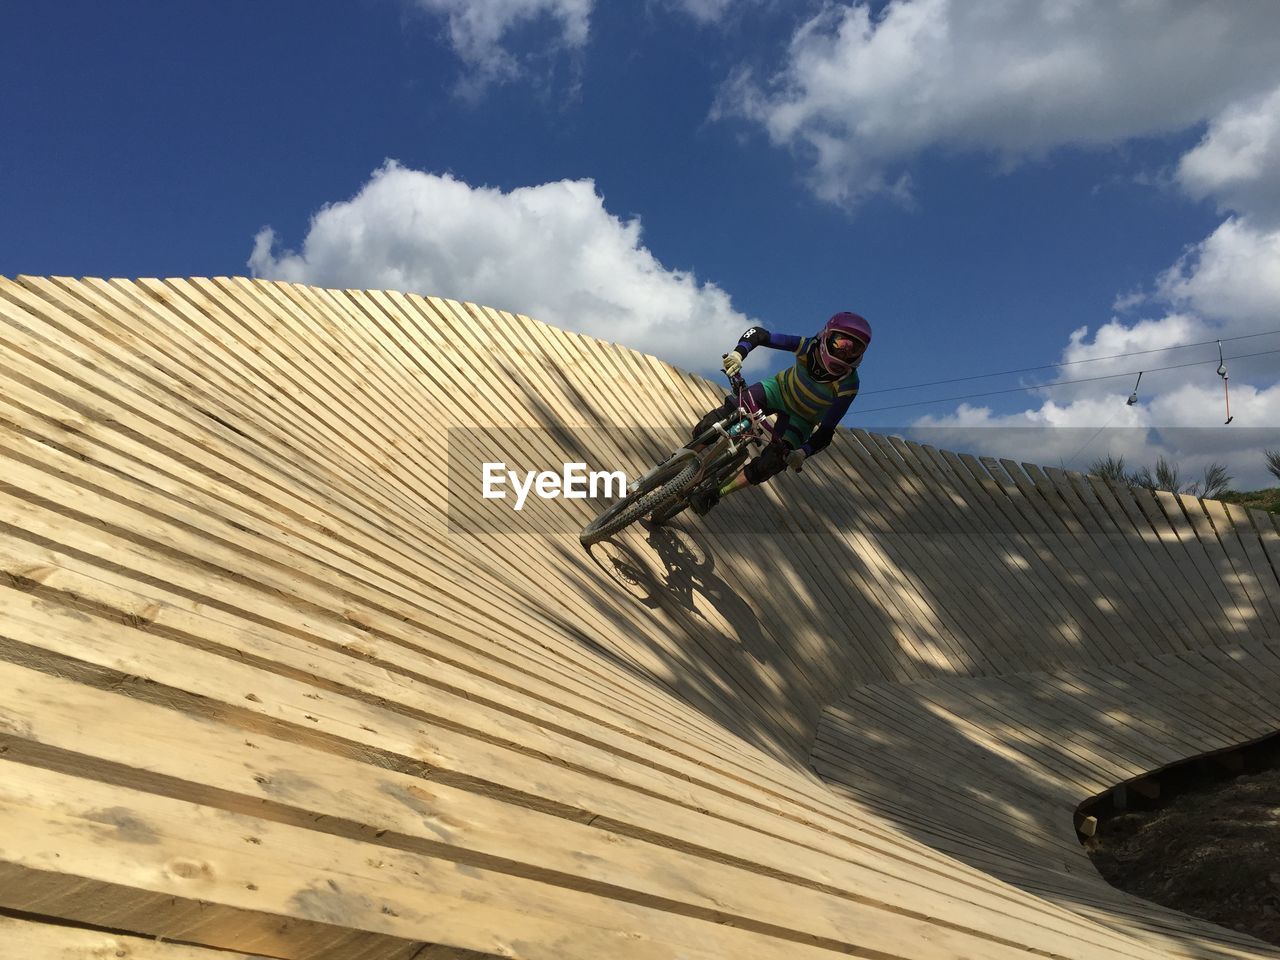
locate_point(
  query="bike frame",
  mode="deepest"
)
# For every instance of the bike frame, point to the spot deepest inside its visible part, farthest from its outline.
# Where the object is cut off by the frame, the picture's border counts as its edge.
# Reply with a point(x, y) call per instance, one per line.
point(757, 434)
point(749, 431)
point(754, 436)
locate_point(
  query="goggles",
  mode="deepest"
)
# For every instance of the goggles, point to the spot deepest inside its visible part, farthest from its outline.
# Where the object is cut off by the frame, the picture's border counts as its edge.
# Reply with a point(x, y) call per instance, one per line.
point(844, 347)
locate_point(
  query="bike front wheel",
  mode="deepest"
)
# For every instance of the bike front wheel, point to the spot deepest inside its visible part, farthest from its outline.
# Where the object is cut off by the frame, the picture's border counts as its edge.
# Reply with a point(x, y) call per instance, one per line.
point(661, 485)
point(717, 474)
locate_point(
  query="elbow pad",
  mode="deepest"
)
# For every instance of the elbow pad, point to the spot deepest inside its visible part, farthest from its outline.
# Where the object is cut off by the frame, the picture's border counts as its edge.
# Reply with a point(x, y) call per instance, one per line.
point(756, 336)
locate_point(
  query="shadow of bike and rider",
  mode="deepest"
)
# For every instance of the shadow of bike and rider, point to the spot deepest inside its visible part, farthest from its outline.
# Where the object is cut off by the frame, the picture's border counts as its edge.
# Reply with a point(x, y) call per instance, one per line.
point(724, 630)
point(687, 571)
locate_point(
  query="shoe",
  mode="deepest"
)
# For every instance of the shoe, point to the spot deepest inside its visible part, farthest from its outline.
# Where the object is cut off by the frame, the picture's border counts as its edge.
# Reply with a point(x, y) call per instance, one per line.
point(703, 500)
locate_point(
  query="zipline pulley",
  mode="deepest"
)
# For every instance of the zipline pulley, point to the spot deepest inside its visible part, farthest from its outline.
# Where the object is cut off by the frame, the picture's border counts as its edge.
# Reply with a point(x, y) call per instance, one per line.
point(1226, 392)
point(1133, 397)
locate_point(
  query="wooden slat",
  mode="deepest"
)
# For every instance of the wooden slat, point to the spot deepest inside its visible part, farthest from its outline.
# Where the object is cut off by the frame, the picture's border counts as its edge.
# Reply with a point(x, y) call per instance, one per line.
point(234, 606)
point(28, 940)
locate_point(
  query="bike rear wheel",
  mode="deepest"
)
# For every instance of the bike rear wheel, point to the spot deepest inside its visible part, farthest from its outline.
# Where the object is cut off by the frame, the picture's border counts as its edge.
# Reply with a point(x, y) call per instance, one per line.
point(659, 486)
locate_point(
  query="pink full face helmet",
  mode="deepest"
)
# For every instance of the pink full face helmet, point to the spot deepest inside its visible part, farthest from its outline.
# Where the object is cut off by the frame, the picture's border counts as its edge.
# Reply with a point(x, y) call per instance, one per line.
point(842, 342)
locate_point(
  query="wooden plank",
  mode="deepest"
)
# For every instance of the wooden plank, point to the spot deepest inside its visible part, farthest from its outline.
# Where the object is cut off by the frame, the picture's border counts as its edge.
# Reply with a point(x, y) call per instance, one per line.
point(762, 641)
point(1112, 599)
point(280, 782)
point(238, 473)
point(1260, 581)
point(1203, 592)
point(1112, 534)
point(1128, 706)
point(856, 560)
point(1010, 544)
point(1226, 556)
point(886, 559)
point(341, 678)
point(969, 573)
point(1268, 527)
point(1050, 728)
point(1176, 588)
point(1254, 664)
point(1042, 563)
point(296, 893)
point(34, 940)
point(1212, 721)
point(1171, 508)
point(94, 507)
point(1003, 719)
point(934, 632)
point(423, 365)
point(397, 743)
point(1061, 550)
point(1224, 692)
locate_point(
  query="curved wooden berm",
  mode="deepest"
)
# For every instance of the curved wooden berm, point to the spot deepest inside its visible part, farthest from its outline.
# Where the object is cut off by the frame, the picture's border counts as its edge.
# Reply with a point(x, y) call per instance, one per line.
point(268, 691)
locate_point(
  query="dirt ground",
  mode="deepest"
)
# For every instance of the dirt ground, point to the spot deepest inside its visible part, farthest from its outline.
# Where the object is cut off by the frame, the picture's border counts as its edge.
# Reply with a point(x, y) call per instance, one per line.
point(1213, 852)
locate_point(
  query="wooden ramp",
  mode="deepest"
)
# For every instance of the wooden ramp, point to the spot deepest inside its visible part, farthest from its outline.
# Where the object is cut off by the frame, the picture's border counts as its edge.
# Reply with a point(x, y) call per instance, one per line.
point(278, 682)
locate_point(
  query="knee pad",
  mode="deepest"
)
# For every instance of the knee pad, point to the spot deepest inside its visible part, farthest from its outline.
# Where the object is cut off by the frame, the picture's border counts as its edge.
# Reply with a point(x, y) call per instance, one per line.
point(772, 461)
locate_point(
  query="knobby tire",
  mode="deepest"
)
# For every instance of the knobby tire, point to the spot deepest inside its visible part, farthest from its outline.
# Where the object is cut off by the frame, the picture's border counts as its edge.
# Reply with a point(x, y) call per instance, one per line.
point(724, 466)
point(627, 511)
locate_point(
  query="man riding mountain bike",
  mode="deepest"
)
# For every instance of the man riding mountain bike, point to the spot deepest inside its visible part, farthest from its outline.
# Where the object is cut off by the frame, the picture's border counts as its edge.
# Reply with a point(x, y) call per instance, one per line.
point(808, 398)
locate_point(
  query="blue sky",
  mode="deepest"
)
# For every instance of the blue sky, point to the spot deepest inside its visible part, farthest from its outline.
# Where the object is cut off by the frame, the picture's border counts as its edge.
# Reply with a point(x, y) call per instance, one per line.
point(982, 180)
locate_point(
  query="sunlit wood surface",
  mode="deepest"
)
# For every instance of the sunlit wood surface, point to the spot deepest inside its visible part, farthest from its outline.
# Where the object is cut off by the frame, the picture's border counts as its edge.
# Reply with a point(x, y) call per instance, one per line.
point(278, 682)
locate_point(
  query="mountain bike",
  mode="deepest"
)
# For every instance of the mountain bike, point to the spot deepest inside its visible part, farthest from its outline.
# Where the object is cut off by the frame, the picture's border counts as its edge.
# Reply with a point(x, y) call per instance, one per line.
point(707, 462)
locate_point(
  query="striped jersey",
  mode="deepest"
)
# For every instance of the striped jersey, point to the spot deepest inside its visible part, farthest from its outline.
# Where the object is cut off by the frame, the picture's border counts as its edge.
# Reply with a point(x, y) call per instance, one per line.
point(807, 397)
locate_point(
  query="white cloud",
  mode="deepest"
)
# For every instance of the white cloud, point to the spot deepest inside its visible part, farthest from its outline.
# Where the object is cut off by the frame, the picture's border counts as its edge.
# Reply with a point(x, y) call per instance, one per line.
point(861, 94)
point(552, 252)
point(704, 11)
point(1017, 78)
point(1233, 276)
point(1238, 161)
point(1050, 434)
point(1227, 286)
point(478, 28)
point(1152, 340)
point(1183, 424)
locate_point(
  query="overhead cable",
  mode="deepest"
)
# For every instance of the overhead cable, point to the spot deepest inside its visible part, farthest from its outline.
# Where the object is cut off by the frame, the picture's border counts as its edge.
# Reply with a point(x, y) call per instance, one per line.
point(1068, 363)
point(1059, 383)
